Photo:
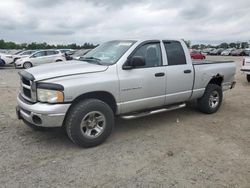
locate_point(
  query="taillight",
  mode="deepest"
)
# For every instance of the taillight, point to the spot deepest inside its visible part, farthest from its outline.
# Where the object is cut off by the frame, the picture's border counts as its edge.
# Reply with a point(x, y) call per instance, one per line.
point(243, 62)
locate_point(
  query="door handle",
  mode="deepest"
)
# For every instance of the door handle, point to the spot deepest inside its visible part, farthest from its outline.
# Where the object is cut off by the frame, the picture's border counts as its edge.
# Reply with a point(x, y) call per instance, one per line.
point(187, 71)
point(159, 74)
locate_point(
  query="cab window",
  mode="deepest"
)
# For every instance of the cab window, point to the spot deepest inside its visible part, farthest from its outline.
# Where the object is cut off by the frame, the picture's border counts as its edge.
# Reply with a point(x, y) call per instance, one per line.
point(175, 53)
point(151, 52)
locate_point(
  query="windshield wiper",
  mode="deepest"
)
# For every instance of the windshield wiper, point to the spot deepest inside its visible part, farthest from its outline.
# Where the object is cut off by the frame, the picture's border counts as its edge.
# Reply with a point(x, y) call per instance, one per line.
point(96, 60)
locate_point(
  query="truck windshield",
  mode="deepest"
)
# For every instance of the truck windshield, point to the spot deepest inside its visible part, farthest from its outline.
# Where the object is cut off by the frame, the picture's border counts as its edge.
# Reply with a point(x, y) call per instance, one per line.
point(108, 53)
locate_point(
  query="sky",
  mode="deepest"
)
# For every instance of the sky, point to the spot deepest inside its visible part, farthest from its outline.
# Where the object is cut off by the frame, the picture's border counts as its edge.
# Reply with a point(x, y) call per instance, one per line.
point(96, 21)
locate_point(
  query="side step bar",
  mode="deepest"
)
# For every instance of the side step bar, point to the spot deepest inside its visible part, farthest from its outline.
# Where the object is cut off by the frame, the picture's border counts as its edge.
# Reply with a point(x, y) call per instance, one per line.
point(147, 113)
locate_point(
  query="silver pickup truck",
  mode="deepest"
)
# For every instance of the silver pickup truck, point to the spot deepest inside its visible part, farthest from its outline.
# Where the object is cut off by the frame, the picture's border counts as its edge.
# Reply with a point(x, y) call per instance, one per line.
point(126, 78)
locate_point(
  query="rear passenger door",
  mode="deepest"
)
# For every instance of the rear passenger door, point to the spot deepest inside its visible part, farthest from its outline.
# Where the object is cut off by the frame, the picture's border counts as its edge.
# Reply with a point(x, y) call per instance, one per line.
point(180, 75)
point(51, 56)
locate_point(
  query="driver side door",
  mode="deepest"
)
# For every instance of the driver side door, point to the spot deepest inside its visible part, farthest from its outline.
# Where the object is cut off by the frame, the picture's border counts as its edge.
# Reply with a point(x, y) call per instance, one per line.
point(143, 87)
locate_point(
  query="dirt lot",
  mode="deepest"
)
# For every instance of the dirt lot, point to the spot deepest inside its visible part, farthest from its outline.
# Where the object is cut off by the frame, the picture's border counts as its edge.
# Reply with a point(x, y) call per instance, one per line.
point(198, 150)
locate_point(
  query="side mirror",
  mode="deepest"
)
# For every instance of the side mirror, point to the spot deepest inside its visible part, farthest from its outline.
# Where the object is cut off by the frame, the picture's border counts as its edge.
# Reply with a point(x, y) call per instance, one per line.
point(133, 62)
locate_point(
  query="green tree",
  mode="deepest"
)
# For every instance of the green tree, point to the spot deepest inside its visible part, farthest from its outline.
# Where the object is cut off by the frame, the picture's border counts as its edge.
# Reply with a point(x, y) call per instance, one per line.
point(232, 45)
point(244, 45)
point(223, 45)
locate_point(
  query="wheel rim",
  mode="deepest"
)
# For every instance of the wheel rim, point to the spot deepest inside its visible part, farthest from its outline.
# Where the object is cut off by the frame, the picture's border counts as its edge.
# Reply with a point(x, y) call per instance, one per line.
point(214, 99)
point(27, 65)
point(93, 124)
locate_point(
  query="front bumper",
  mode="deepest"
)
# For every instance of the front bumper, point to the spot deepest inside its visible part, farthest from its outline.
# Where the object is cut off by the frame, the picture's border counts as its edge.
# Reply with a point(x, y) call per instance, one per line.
point(41, 114)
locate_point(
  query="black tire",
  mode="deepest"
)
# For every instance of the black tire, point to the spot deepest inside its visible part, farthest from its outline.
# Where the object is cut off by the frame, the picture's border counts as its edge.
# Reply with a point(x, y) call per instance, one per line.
point(248, 77)
point(204, 103)
point(58, 60)
point(27, 65)
point(77, 114)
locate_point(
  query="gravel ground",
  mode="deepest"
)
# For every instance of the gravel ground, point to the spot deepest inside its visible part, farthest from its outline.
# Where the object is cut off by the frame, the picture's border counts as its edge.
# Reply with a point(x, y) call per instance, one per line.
point(182, 148)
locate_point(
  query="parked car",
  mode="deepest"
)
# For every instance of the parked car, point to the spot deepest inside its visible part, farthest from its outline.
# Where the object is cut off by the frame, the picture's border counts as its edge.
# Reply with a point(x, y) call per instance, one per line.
point(246, 67)
point(23, 54)
point(2, 63)
point(6, 58)
point(207, 50)
point(67, 53)
point(197, 55)
point(125, 78)
point(238, 52)
point(39, 58)
point(216, 51)
point(227, 52)
point(247, 51)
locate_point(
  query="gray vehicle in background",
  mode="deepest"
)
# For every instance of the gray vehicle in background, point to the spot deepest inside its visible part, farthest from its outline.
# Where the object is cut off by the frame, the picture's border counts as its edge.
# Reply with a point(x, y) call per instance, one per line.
point(125, 78)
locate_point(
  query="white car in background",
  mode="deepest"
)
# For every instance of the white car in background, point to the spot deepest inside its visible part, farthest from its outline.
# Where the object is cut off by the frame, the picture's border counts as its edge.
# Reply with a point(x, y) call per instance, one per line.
point(23, 54)
point(246, 67)
point(6, 58)
point(227, 52)
point(39, 58)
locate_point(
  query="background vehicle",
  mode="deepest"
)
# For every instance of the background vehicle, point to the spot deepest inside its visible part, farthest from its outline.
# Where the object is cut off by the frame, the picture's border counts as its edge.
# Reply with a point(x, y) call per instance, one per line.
point(247, 51)
point(125, 78)
point(197, 55)
point(216, 51)
point(39, 58)
point(238, 52)
point(67, 53)
point(246, 67)
point(23, 54)
point(2, 63)
point(207, 50)
point(227, 52)
point(6, 58)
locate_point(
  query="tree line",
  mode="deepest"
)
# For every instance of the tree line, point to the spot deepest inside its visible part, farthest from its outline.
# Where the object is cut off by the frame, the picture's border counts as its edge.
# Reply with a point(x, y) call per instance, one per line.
point(44, 45)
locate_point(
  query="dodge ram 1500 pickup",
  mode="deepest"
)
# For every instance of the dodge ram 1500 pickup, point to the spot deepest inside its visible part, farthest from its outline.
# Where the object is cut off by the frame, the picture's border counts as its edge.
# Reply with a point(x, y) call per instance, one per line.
point(125, 78)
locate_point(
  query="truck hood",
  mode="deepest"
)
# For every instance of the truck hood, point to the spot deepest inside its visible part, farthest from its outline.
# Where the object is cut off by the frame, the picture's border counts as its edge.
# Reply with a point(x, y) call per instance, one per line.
point(67, 68)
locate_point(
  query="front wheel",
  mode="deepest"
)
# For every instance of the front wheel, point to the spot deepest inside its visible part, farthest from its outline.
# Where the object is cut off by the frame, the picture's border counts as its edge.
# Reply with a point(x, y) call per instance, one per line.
point(211, 100)
point(27, 65)
point(248, 77)
point(89, 122)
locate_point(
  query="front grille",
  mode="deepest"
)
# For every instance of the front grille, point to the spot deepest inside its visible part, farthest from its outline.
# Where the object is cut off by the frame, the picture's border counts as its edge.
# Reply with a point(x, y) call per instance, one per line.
point(25, 81)
point(27, 92)
point(26, 89)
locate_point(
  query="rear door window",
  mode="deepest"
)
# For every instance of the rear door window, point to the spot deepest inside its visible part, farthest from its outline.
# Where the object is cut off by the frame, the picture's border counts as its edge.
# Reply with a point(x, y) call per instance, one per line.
point(175, 53)
point(51, 52)
point(39, 54)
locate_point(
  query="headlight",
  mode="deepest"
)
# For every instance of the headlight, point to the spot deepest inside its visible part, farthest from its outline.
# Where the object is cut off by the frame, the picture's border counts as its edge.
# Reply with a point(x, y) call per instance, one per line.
point(50, 96)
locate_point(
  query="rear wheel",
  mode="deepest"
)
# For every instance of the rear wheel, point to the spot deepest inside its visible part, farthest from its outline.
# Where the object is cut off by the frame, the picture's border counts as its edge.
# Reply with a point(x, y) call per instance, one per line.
point(248, 77)
point(89, 122)
point(27, 65)
point(211, 100)
point(58, 60)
